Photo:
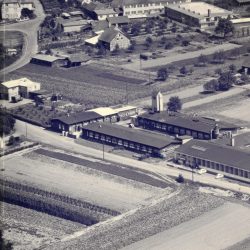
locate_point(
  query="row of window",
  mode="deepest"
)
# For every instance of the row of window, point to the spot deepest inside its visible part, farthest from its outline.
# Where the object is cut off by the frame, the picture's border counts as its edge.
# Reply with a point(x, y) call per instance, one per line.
point(176, 130)
point(216, 166)
point(119, 142)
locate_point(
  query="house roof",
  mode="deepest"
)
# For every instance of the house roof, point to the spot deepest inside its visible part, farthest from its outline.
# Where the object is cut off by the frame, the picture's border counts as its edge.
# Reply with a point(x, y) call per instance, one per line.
point(243, 1)
point(19, 82)
point(93, 6)
point(109, 34)
point(246, 62)
point(17, 1)
point(240, 20)
point(93, 40)
point(130, 134)
point(78, 58)
point(104, 111)
point(117, 3)
point(124, 108)
point(118, 20)
point(105, 11)
point(73, 21)
point(47, 58)
point(99, 25)
point(78, 117)
point(199, 124)
point(214, 152)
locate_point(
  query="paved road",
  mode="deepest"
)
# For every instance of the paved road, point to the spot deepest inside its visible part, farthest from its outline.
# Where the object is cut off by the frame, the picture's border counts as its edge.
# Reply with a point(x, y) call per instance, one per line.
point(215, 230)
point(135, 65)
point(41, 135)
point(29, 29)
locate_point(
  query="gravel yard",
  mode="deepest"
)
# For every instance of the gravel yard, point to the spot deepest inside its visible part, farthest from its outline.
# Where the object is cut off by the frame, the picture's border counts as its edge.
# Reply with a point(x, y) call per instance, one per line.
point(28, 229)
point(141, 223)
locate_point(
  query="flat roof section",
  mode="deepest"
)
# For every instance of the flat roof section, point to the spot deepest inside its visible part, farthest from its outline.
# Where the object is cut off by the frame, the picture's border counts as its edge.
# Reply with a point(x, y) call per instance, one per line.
point(131, 134)
point(226, 155)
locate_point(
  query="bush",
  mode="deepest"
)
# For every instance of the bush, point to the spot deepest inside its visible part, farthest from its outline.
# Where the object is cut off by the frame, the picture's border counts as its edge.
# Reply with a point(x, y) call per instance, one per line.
point(211, 86)
point(169, 45)
point(180, 179)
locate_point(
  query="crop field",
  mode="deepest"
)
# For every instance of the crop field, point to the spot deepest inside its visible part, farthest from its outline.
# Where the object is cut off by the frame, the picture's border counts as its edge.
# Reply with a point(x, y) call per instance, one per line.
point(83, 182)
point(90, 84)
point(160, 215)
point(27, 229)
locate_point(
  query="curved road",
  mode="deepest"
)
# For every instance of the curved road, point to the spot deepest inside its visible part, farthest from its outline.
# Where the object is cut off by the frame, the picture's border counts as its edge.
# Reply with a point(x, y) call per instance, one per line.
point(29, 29)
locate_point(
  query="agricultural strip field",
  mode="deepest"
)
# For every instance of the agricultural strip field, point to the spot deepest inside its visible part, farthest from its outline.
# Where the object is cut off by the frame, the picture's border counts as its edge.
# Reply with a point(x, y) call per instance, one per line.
point(90, 84)
point(160, 215)
point(28, 229)
point(127, 173)
point(77, 181)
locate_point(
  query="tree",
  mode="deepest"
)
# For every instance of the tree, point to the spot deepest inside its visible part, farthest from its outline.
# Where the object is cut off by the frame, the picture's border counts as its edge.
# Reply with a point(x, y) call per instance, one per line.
point(7, 122)
point(226, 80)
point(185, 43)
point(224, 27)
point(232, 68)
point(136, 27)
point(218, 71)
point(174, 104)
point(244, 78)
point(25, 12)
point(162, 74)
point(202, 60)
point(148, 41)
point(3, 244)
point(169, 45)
point(219, 56)
point(163, 40)
point(180, 179)
point(211, 86)
point(183, 70)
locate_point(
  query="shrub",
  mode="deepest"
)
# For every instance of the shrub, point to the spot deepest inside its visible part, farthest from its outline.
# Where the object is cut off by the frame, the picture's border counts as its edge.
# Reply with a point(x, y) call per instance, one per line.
point(180, 179)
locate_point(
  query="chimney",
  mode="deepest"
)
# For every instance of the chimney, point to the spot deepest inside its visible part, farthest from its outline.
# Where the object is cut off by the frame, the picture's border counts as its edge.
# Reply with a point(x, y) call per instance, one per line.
point(209, 12)
point(232, 142)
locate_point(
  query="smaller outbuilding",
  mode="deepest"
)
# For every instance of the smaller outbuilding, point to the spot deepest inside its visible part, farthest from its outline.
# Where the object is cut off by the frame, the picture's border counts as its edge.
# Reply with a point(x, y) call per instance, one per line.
point(76, 60)
point(118, 21)
point(129, 138)
point(48, 60)
point(245, 68)
point(72, 123)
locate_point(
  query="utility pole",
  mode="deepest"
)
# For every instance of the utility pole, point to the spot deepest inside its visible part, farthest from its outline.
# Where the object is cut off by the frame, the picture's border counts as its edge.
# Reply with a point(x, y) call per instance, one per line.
point(103, 150)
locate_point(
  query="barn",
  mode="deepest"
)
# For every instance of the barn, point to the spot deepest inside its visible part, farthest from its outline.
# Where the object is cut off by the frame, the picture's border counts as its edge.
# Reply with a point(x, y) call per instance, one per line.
point(48, 60)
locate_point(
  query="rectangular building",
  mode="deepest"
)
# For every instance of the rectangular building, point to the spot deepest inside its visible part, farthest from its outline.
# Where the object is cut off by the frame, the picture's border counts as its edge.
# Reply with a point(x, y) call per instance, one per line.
point(143, 8)
point(197, 14)
point(129, 138)
point(221, 158)
point(181, 124)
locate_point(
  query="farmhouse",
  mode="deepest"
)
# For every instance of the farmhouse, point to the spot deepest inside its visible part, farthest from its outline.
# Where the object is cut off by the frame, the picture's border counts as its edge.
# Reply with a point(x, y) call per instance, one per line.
point(197, 14)
point(113, 38)
point(13, 89)
point(11, 9)
point(47, 60)
point(74, 122)
point(131, 139)
point(74, 24)
point(143, 8)
point(176, 123)
point(246, 66)
point(226, 159)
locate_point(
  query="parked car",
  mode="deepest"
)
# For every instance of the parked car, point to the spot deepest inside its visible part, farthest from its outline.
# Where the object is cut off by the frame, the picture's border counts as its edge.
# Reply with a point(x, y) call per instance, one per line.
point(219, 176)
point(201, 171)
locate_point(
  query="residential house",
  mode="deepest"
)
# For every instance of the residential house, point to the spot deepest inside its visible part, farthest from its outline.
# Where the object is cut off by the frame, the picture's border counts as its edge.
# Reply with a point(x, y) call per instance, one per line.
point(199, 15)
point(128, 138)
point(241, 27)
point(11, 9)
point(113, 38)
point(118, 21)
point(73, 24)
point(14, 89)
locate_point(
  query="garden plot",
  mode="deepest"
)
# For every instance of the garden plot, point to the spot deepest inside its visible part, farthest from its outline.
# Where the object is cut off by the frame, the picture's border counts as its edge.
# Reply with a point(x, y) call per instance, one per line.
point(78, 182)
point(27, 229)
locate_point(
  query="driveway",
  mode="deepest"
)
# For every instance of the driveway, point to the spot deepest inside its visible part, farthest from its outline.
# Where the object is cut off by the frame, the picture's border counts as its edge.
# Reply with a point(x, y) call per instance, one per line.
point(29, 30)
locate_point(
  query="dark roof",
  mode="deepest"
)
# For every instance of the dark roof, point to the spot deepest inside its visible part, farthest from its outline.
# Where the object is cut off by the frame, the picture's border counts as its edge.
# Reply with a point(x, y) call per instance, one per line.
point(199, 124)
point(118, 20)
point(243, 1)
point(108, 35)
point(131, 134)
point(93, 6)
point(78, 58)
point(214, 152)
point(99, 25)
point(246, 62)
point(78, 117)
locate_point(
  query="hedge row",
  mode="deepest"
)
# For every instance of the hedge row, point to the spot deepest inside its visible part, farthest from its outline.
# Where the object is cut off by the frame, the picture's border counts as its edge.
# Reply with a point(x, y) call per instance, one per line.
point(61, 198)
